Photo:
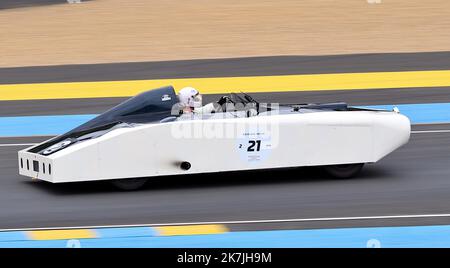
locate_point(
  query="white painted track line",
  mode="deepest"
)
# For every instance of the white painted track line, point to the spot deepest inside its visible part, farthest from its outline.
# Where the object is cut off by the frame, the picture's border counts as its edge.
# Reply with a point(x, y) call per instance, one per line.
point(430, 131)
point(242, 222)
point(16, 144)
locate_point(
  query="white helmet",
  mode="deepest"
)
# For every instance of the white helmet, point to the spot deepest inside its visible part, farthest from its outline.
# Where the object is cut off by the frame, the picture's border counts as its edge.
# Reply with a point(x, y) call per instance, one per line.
point(190, 97)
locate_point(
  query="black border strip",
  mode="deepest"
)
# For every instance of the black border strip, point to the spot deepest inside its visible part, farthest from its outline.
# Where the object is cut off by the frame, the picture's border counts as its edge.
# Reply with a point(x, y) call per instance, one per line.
point(253, 66)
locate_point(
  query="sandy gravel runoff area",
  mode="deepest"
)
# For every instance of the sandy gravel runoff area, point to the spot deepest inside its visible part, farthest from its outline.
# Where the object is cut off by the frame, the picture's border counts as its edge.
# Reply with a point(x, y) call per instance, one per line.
point(102, 31)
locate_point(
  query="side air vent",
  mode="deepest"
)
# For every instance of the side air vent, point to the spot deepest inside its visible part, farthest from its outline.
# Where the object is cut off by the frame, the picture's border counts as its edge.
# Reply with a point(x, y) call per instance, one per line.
point(35, 165)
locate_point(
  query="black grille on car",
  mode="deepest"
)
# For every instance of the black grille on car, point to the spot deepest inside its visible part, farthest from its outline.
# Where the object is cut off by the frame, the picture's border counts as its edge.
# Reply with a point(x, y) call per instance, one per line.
point(35, 165)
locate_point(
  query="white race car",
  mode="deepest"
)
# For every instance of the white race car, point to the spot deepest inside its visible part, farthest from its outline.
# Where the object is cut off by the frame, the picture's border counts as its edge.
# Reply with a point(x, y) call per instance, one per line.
point(146, 136)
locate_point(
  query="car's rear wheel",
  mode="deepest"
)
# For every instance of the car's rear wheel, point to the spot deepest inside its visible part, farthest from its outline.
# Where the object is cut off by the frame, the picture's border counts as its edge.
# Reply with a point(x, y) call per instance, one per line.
point(344, 171)
point(129, 184)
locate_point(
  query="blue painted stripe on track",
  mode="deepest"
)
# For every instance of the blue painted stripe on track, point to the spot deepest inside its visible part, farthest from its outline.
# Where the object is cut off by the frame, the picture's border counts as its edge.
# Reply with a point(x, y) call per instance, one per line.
point(416, 236)
point(421, 113)
point(125, 232)
point(12, 236)
point(41, 125)
point(58, 124)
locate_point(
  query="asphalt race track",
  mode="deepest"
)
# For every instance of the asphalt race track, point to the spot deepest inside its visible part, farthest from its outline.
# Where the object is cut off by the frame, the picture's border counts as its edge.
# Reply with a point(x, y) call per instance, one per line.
point(413, 180)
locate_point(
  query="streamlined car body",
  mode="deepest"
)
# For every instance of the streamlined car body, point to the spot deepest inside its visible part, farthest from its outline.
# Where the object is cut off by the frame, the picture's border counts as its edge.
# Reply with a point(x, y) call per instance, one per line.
point(147, 136)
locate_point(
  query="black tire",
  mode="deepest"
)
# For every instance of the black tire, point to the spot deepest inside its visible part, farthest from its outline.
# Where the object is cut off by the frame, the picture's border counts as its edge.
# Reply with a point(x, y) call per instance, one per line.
point(129, 184)
point(344, 171)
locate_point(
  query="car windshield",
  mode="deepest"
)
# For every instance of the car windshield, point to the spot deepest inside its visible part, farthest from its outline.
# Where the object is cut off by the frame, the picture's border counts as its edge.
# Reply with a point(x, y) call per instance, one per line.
point(147, 107)
point(150, 106)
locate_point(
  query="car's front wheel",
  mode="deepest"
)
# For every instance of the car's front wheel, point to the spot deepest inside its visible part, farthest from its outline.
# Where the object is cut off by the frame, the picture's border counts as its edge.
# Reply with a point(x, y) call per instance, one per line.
point(344, 171)
point(129, 184)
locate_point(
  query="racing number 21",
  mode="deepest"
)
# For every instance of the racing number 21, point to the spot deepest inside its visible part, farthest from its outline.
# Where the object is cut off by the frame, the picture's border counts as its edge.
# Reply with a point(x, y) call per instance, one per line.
point(253, 143)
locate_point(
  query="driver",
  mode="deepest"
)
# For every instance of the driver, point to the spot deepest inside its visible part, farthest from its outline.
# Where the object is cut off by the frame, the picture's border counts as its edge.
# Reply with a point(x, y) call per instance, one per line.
point(191, 102)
